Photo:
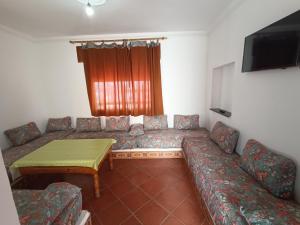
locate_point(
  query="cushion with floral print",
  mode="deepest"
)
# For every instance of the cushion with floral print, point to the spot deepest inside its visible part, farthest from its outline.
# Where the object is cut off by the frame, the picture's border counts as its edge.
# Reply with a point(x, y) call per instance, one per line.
point(274, 172)
point(225, 137)
point(88, 124)
point(269, 212)
point(136, 129)
point(59, 124)
point(182, 122)
point(49, 206)
point(117, 123)
point(23, 134)
point(155, 122)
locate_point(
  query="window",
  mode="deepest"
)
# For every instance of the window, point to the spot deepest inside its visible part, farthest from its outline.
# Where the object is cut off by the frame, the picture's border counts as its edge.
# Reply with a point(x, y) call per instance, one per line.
point(123, 81)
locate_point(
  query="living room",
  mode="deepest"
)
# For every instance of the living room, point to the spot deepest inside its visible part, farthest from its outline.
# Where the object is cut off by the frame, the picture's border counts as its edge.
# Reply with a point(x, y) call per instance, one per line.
point(202, 50)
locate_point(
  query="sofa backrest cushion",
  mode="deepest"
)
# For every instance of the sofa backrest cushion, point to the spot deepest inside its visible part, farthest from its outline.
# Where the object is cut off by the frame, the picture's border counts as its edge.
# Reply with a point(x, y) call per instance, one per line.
point(155, 122)
point(225, 137)
point(88, 124)
point(188, 122)
point(274, 172)
point(136, 129)
point(118, 123)
point(23, 134)
point(59, 124)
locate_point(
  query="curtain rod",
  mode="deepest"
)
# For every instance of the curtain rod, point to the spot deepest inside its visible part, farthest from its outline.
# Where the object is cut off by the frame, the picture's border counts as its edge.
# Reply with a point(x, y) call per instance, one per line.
point(117, 40)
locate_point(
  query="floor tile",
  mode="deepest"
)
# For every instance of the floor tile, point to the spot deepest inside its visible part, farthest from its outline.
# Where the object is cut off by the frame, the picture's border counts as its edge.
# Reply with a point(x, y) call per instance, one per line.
point(135, 199)
point(173, 221)
point(151, 214)
point(189, 213)
point(131, 221)
point(122, 188)
point(169, 177)
point(106, 199)
point(127, 170)
point(153, 171)
point(123, 162)
point(95, 220)
point(110, 178)
point(113, 215)
point(154, 186)
point(184, 187)
point(139, 178)
point(170, 198)
point(153, 179)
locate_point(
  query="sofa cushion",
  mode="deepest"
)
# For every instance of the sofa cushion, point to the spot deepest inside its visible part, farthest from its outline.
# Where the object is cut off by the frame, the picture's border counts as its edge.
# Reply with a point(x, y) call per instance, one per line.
point(88, 124)
point(23, 134)
point(275, 172)
point(155, 122)
point(136, 130)
point(225, 187)
point(168, 138)
point(266, 212)
point(121, 123)
point(186, 122)
point(225, 137)
point(124, 140)
point(59, 124)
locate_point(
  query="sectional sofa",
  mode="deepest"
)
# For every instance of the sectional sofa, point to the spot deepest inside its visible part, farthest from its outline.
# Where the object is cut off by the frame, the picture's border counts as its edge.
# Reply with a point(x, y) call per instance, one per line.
point(255, 189)
point(152, 135)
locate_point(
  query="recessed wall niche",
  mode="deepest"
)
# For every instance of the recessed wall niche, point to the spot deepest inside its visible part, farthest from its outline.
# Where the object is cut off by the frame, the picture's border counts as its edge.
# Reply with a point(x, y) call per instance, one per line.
point(221, 96)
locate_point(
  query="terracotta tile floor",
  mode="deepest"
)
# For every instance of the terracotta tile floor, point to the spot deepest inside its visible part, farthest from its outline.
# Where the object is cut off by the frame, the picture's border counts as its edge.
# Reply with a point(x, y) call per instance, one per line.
point(148, 192)
point(143, 192)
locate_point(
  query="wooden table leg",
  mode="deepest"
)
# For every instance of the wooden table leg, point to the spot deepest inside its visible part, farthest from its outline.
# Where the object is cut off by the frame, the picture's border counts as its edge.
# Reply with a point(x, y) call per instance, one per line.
point(110, 157)
point(97, 185)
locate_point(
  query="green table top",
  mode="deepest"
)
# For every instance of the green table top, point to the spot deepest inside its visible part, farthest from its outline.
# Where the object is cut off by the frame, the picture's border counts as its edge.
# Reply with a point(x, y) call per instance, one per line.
point(81, 153)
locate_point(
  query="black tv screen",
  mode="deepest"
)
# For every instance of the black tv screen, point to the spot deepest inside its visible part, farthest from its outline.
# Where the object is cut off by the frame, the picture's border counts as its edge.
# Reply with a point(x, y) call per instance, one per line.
point(276, 46)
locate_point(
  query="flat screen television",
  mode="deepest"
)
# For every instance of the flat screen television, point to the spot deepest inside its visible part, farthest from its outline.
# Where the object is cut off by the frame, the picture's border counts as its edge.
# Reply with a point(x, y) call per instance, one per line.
point(276, 46)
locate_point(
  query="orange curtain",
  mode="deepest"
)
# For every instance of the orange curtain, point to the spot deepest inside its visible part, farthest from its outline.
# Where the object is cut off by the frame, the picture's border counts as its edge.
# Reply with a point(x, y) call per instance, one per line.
point(123, 81)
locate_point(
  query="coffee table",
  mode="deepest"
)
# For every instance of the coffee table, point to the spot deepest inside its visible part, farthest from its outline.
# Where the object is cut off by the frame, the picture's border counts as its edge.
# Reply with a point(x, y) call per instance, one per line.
point(80, 156)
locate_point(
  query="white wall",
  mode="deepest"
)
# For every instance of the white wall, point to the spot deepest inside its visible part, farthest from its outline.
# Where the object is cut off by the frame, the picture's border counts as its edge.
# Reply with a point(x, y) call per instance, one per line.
point(8, 212)
point(21, 95)
point(265, 105)
point(183, 75)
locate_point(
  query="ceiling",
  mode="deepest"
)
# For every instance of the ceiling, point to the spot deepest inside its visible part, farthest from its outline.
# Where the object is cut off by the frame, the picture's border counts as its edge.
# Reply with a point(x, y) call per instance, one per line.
point(58, 18)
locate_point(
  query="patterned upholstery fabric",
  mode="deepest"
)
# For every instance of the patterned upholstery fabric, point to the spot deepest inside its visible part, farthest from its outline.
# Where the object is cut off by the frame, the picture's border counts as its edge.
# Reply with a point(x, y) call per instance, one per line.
point(121, 123)
point(226, 137)
point(59, 124)
point(10, 155)
point(155, 122)
point(266, 213)
point(23, 134)
point(225, 187)
point(275, 172)
point(124, 140)
point(58, 204)
point(168, 138)
point(186, 122)
point(136, 130)
point(88, 124)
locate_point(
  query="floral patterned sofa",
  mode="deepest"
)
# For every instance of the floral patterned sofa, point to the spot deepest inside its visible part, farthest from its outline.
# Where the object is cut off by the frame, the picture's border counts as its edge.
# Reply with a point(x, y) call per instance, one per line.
point(27, 138)
point(256, 188)
point(59, 203)
point(153, 133)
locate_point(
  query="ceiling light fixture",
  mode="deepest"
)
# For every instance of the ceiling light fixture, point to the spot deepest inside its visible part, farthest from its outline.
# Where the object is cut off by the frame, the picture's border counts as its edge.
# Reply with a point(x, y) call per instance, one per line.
point(91, 4)
point(89, 9)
